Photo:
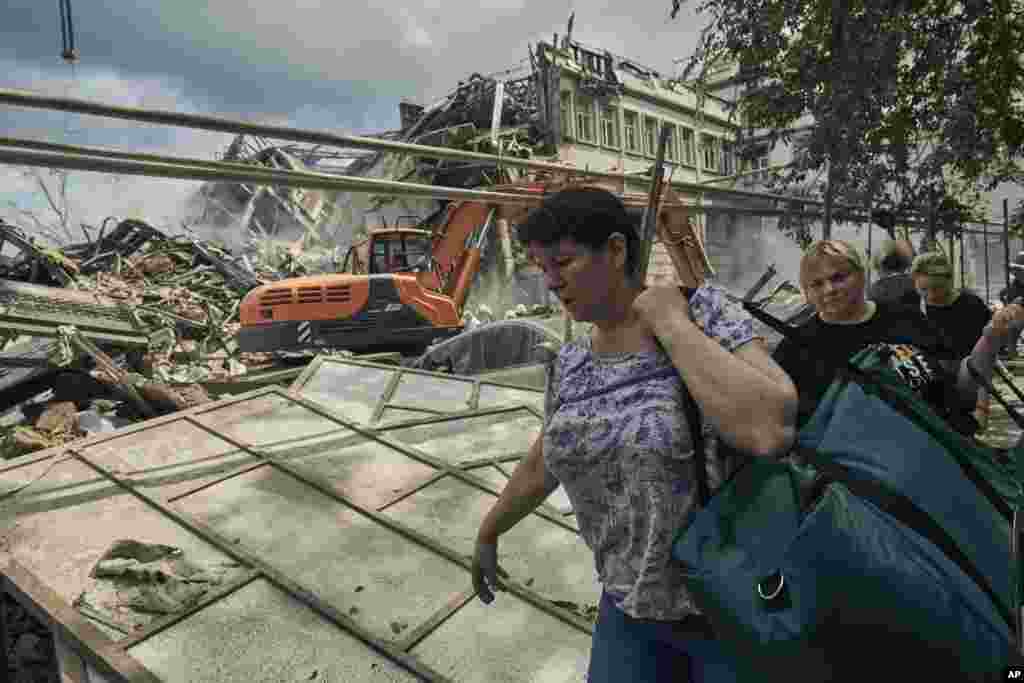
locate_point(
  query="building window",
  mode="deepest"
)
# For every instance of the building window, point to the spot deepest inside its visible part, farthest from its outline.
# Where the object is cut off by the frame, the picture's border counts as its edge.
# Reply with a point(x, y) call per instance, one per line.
point(709, 149)
point(670, 144)
point(565, 106)
point(631, 131)
point(726, 160)
point(650, 136)
point(686, 146)
point(610, 127)
point(586, 127)
point(761, 165)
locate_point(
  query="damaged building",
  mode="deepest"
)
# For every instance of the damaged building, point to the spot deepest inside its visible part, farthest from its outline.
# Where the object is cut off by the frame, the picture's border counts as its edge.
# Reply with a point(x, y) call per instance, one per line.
point(167, 491)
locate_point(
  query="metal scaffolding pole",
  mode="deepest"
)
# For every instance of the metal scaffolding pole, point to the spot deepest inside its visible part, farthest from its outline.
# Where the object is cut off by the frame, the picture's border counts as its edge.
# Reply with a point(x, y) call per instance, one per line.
point(988, 293)
point(87, 158)
point(220, 124)
point(1006, 240)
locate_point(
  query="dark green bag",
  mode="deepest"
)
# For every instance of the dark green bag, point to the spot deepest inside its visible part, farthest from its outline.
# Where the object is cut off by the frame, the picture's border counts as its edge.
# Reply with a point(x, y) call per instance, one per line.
point(829, 570)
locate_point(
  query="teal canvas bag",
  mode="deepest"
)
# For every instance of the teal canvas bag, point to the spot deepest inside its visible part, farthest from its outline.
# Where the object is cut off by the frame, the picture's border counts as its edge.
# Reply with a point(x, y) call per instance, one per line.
point(799, 567)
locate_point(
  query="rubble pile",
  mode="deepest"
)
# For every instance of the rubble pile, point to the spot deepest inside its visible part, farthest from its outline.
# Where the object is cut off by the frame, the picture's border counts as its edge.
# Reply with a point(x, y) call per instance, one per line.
point(30, 653)
point(179, 295)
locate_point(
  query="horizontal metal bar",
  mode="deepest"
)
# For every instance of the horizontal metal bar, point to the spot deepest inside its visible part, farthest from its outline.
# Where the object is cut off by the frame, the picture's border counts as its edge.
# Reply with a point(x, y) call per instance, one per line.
point(21, 98)
point(254, 380)
point(449, 417)
point(415, 409)
point(19, 325)
point(412, 490)
point(304, 179)
point(244, 469)
point(484, 462)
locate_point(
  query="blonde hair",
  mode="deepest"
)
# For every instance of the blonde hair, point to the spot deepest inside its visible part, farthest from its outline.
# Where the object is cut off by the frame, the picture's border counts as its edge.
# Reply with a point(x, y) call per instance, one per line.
point(932, 264)
point(839, 249)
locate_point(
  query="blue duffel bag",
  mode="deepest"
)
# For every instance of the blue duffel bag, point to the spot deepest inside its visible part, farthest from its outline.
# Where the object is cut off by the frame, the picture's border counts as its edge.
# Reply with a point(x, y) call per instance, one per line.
point(890, 548)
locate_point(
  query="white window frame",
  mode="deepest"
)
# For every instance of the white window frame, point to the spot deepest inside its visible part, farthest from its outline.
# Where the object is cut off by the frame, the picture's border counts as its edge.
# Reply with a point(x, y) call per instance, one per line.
point(649, 139)
point(586, 119)
point(609, 114)
point(709, 152)
point(686, 151)
point(565, 111)
point(635, 148)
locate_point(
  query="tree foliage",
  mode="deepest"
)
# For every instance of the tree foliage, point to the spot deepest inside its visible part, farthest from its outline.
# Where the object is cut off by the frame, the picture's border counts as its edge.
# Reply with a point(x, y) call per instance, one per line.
point(910, 103)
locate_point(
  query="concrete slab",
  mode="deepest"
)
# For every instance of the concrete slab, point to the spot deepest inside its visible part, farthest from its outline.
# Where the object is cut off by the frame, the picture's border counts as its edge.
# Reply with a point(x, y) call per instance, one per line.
point(271, 422)
point(61, 526)
point(508, 641)
point(260, 635)
point(392, 585)
point(557, 560)
point(351, 390)
point(171, 458)
point(471, 438)
point(445, 394)
point(376, 576)
point(369, 473)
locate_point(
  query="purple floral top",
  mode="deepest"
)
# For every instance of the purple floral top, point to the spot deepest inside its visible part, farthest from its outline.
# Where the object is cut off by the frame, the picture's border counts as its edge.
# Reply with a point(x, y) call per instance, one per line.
point(624, 458)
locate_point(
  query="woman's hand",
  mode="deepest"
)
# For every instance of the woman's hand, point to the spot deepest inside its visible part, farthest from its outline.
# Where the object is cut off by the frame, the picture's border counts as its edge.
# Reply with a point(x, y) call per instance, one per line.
point(486, 570)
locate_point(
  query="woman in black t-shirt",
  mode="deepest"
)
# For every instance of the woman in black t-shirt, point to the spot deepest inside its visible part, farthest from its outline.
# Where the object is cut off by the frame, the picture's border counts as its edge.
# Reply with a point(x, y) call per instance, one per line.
point(832, 277)
point(960, 314)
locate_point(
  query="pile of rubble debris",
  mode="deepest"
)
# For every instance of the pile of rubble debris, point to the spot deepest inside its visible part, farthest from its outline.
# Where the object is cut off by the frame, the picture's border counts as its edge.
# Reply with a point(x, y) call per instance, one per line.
point(132, 324)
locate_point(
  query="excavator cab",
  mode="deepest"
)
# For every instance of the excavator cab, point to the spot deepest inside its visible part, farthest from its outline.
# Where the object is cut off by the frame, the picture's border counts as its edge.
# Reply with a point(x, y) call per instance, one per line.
point(396, 250)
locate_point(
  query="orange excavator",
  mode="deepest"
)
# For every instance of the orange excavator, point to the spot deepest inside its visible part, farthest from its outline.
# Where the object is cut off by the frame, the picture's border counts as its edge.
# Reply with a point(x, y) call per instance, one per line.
point(402, 289)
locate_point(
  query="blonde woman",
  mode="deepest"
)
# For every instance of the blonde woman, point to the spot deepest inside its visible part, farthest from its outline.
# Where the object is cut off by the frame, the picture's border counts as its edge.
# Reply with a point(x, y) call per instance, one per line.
point(832, 276)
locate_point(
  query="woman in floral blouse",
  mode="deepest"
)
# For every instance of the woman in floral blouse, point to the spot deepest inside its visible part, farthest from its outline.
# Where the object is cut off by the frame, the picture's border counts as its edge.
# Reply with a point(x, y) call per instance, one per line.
point(622, 450)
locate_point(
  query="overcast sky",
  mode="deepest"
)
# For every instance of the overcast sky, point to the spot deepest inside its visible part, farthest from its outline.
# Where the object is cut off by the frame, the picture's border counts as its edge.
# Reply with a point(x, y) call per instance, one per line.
point(311, 64)
point(306, 63)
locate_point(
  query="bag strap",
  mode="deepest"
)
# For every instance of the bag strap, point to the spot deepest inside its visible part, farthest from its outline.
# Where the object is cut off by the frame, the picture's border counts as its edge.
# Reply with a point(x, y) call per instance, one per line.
point(700, 472)
point(696, 422)
point(910, 515)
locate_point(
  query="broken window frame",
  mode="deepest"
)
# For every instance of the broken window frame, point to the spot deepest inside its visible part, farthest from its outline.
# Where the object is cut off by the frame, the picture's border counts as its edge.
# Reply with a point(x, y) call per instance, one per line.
point(586, 119)
point(611, 136)
point(631, 130)
point(650, 136)
point(686, 146)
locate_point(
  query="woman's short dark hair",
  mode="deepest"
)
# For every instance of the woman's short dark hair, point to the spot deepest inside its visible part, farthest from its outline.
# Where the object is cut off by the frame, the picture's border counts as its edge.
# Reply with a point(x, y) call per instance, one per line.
point(588, 215)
